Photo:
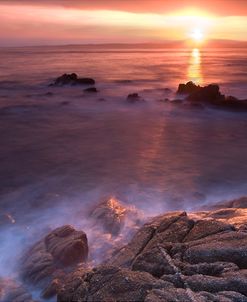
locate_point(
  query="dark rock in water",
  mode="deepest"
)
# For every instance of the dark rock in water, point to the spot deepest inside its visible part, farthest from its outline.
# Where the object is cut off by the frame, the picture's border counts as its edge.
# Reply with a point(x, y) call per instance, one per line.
point(12, 291)
point(133, 98)
point(187, 88)
point(211, 95)
point(72, 79)
point(91, 89)
point(176, 102)
point(109, 283)
point(62, 248)
point(49, 94)
point(65, 103)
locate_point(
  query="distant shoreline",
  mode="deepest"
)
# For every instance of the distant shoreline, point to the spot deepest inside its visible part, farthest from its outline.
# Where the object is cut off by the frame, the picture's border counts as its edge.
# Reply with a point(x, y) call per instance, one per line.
point(166, 44)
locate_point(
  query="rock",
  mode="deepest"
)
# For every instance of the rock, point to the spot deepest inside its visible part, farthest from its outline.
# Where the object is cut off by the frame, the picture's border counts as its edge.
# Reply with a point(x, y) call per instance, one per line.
point(210, 95)
point(142, 238)
point(91, 90)
point(235, 203)
point(113, 215)
point(53, 289)
point(195, 257)
point(157, 266)
point(109, 283)
point(176, 102)
point(12, 291)
point(187, 88)
point(204, 228)
point(133, 98)
point(65, 103)
point(186, 295)
point(210, 269)
point(229, 247)
point(63, 248)
point(72, 79)
point(212, 284)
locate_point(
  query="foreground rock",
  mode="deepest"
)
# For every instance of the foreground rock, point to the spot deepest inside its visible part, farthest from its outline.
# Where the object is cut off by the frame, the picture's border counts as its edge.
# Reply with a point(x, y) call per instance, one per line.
point(11, 291)
point(72, 79)
point(109, 283)
point(210, 95)
point(174, 257)
point(60, 251)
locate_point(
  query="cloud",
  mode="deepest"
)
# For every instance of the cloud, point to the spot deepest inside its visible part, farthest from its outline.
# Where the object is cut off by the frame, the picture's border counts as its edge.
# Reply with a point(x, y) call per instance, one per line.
point(220, 7)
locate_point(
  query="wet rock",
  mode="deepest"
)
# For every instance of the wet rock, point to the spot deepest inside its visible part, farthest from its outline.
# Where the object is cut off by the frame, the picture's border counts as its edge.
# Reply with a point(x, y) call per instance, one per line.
point(187, 88)
point(210, 269)
point(63, 248)
point(133, 98)
point(65, 103)
point(204, 228)
point(228, 247)
point(186, 295)
point(210, 95)
point(113, 215)
point(177, 102)
point(72, 79)
point(91, 90)
point(240, 203)
point(109, 283)
point(142, 238)
point(12, 291)
point(212, 284)
point(52, 289)
point(157, 266)
point(196, 259)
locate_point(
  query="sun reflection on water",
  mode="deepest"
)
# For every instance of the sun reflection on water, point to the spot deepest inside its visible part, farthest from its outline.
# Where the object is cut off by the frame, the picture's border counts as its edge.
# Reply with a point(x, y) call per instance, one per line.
point(194, 69)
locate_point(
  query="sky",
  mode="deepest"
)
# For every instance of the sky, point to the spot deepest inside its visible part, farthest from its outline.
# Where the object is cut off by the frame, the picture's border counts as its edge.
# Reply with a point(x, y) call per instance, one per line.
point(42, 22)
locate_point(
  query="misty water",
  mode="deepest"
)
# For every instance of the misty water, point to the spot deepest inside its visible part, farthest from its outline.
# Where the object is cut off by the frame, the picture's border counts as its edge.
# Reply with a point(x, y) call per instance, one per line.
point(63, 150)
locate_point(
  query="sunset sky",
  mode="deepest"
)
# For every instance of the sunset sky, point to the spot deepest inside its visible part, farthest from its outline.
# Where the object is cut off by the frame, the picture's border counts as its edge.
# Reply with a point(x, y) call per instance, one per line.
point(40, 22)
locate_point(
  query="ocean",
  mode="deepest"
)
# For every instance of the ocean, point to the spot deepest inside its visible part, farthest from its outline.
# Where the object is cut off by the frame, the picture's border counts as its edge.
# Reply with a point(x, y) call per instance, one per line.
point(63, 149)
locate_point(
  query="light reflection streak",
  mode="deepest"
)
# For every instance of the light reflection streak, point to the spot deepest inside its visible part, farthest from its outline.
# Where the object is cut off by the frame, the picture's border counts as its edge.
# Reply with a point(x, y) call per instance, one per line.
point(194, 69)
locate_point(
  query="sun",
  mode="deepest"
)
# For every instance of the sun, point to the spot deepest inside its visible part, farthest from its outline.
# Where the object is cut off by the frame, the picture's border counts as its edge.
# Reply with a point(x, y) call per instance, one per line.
point(197, 35)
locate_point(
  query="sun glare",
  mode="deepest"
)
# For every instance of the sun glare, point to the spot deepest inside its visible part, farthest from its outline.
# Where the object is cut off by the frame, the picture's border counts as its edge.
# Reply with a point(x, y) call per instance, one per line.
point(197, 35)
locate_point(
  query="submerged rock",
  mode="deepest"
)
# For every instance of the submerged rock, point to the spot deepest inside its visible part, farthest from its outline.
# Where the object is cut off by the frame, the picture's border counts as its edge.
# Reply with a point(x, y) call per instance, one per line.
point(72, 79)
point(134, 97)
point(91, 90)
point(61, 249)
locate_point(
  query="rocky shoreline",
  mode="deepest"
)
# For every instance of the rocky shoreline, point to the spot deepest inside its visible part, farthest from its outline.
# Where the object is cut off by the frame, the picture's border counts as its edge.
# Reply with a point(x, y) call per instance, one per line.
point(177, 256)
